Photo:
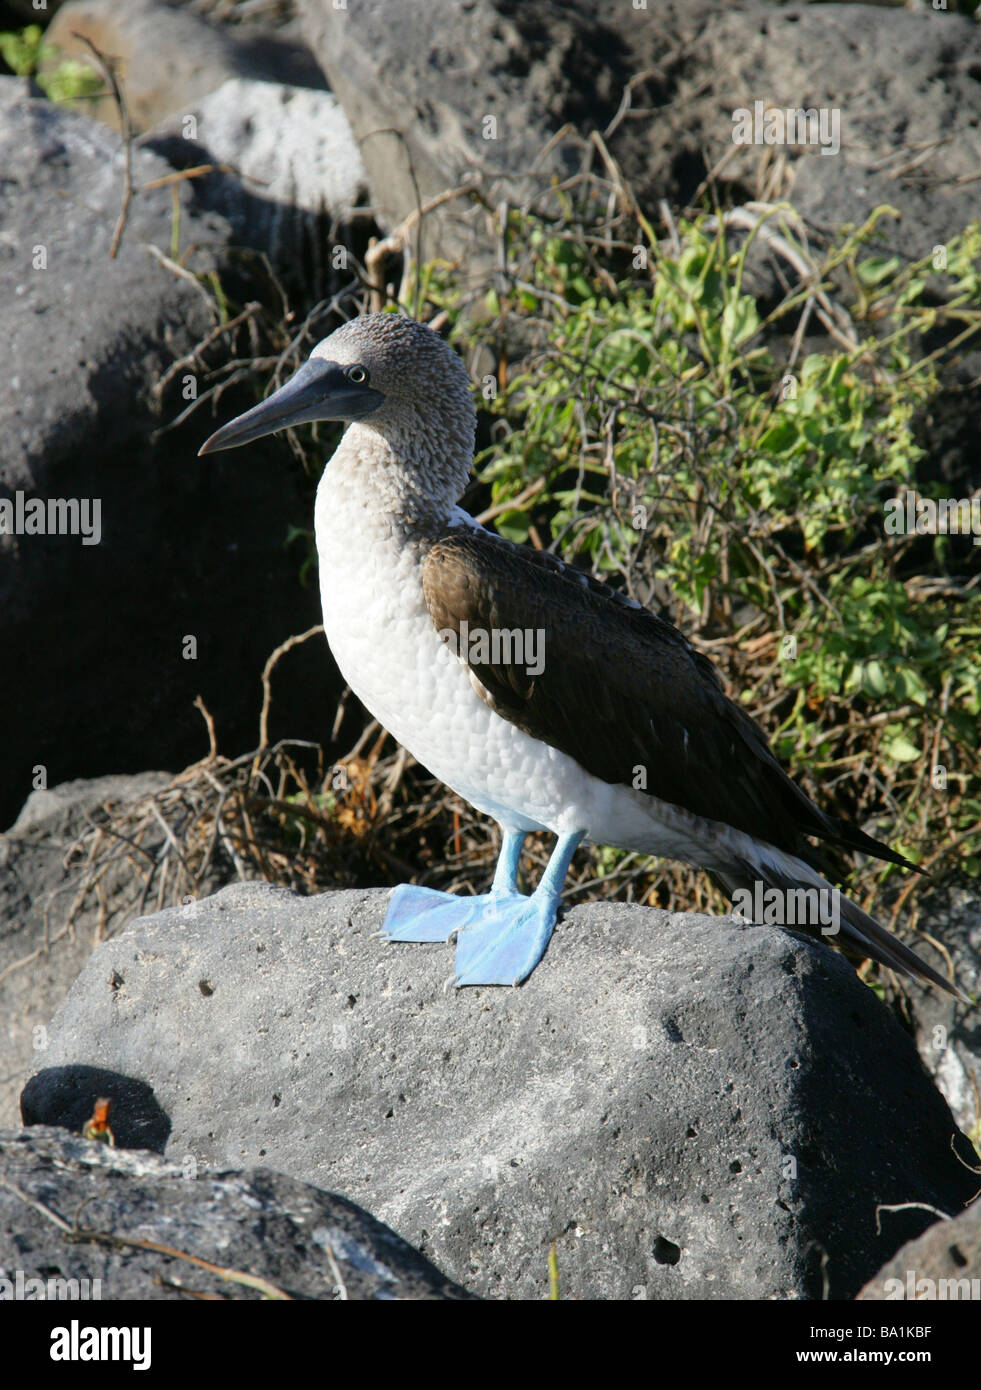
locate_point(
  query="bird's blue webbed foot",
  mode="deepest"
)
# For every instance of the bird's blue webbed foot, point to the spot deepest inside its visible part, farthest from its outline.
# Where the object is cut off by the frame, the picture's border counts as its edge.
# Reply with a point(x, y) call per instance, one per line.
point(505, 942)
point(423, 914)
point(501, 935)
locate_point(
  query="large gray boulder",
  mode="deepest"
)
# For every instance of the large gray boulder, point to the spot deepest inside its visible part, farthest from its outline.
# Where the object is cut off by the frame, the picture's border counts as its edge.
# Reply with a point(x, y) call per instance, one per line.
point(251, 103)
point(270, 1235)
point(289, 165)
point(97, 674)
point(688, 1107)
point(663, 82)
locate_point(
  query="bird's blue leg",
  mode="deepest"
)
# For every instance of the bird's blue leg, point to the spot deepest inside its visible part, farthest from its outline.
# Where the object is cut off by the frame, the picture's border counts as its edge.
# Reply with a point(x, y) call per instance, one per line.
point(423, 914)
point(506, 874)
point(504, 944)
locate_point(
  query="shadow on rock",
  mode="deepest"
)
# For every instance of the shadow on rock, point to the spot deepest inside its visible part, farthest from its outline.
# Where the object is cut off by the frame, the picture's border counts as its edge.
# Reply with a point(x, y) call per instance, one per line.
point(66, 1096)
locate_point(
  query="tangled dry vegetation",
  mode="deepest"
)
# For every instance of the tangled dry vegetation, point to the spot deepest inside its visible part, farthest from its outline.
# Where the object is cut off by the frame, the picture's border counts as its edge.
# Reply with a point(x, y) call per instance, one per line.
point(639, 420)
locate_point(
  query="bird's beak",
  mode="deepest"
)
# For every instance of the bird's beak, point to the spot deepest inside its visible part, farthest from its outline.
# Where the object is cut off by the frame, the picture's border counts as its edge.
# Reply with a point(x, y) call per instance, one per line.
point(318, 391)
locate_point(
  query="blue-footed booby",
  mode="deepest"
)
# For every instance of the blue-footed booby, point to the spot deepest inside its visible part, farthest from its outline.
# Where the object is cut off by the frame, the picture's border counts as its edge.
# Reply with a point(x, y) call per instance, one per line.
point(541, 695)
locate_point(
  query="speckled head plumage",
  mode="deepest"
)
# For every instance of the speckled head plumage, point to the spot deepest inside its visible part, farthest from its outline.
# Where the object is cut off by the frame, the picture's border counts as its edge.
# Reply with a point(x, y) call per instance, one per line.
point(392, 377)
point(405, 360)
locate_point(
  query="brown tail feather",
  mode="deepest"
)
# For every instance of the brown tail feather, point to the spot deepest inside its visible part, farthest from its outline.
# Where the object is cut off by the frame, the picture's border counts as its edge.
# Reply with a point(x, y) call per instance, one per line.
point(856, 928)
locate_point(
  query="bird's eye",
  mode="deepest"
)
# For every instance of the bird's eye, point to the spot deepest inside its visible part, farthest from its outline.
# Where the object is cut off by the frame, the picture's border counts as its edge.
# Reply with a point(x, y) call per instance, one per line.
point(357, 375)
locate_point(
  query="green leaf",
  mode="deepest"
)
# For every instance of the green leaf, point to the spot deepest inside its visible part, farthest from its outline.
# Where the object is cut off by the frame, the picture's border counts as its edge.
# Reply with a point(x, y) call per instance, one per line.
point(780, 438)
point(877, 268)
point(901, 750)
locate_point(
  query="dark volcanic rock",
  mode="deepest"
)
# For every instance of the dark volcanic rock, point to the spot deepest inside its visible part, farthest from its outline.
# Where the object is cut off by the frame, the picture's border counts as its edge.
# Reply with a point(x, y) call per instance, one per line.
point(948, 1033)
point(943, 1264)
point(690, 1107)
point(257, 1225)
point(47, 928)
point(96, 675)
point(444, 90)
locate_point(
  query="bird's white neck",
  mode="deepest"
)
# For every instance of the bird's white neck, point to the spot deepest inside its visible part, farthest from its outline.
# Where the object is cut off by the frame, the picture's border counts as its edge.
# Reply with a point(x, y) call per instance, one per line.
point(393, 482)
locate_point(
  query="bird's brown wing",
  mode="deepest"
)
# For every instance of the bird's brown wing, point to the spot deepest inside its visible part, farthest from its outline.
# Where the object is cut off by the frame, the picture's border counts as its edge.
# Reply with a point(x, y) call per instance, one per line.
point(620, 690)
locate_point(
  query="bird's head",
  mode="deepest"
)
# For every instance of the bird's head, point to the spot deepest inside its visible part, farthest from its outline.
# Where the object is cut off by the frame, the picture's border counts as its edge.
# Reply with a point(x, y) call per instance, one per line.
point(385, 371)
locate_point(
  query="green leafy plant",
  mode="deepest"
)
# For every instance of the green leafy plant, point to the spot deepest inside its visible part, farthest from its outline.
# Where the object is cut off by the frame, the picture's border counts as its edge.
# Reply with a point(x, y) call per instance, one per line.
point(674, 437)
point(62, 79)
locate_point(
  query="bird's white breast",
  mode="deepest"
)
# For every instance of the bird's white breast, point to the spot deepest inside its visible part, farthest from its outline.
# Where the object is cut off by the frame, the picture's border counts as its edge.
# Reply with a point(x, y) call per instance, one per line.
point(383, 639)
point(384, 642)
